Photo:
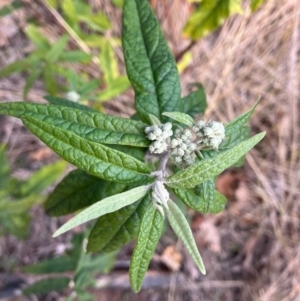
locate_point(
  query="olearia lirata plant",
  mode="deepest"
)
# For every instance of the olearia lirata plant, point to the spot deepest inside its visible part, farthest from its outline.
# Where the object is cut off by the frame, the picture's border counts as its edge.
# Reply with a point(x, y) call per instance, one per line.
point(113, 183)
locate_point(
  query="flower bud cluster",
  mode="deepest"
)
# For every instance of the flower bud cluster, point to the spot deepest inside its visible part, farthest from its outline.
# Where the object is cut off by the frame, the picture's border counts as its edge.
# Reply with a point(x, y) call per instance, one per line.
point(210, 134)
point(183, 148)
point(159, 134)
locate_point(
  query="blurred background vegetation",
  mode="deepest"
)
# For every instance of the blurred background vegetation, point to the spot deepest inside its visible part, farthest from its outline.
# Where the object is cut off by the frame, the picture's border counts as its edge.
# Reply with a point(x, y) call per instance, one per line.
point(238, 50)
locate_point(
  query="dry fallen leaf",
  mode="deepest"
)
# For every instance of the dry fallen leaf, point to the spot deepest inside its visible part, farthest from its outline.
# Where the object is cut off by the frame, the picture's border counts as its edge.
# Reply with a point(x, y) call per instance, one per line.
point(171, 258)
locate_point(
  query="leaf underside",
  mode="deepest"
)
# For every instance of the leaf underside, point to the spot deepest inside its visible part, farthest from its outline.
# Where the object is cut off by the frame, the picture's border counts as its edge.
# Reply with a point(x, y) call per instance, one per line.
point(107, 205)
point(115, 229)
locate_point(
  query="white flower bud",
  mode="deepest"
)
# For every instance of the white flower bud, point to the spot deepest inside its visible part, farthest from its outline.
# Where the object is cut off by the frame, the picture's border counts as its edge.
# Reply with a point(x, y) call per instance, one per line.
point(73, 96)
point(178, 159)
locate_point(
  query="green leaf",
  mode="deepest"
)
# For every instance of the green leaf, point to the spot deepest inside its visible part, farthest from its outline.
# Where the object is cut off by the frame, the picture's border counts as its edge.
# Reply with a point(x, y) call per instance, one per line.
point(67, 103)
point(182, 229)
point(9, 8)
point(195, 103)
point(4, 170)
point(154, 120)
point(47, 285)
point(256, 4)
point(92, 126)
point(148, 237)
point(209, 15)
point(17, 66)
point(107, 205)
point(180, 117)
point(97, 22)
point(94, 158)
point(88, 87)
point(30, 80)
point(108, 63)
point(198, 203)
point(206, 169)
point(53, 265)
point(50, 80)
point(79, 190)
point(37, 37)
point(235, 137)
point(115, 229)
point(116, 87)
point(57, 49)
point(20, 206)
point(238, 122)
point(206, 191)
point(40, 180)
point(135, 152)
point(15, 224)
point(150, 65)
point(75, 56)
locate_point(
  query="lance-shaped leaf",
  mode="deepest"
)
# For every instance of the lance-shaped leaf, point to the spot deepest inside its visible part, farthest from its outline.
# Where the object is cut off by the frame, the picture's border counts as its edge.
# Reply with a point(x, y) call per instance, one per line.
point(180, 117)
point(92, 126)
point(67, 103)
point(78, 190)
point(150, 65)
point(198, 203)
point(94, 158)
point(209, 15)
point(154, 120)
point(149, 234)
point(206, 169)
point(195, 103)
point(45, 286)
point(182, 229)
point(110, 204)
point(238, 122)
point(115, 229)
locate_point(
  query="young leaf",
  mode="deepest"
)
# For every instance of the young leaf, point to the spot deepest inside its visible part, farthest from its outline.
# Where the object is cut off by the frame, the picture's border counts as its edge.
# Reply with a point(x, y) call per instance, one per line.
point(209, 15)
point(40, 180)
point(206, 169)
point(107, 205)
point(148, 237)
point(180, 117)
point(195, 103)
point(238, 122)
point(92, 126)
point(116, 87)
point(4, 170)
point(18, 66)
point(108, 63)
point(94, 158)
point(115, 229)
point(88, 87)
point(79, 190)
point(182, 229)
point(49, 79)
point(197, 203)
point(30, 80)
point(45, 286)
point(37, 37)
point(75, 56)
point(154, 120)
point(150, 65)
point(67, 103)
point(57, 49)
point(52, 265)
